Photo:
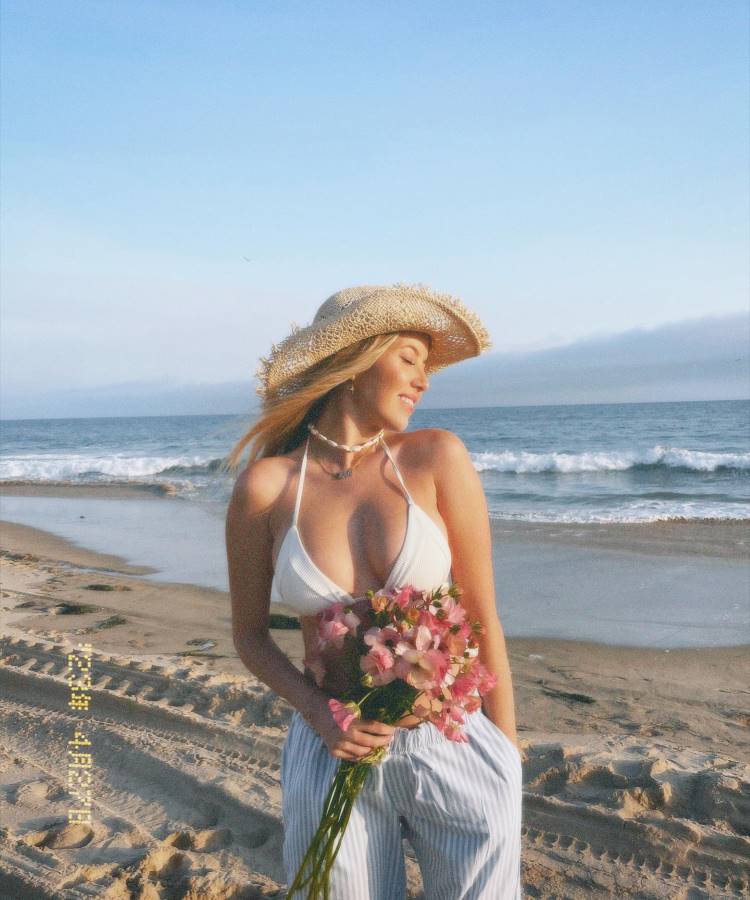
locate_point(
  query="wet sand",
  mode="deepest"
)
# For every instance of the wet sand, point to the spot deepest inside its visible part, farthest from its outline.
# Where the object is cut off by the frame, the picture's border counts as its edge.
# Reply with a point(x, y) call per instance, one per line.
point(722, 538)
point(659, 585)
point(636, 761)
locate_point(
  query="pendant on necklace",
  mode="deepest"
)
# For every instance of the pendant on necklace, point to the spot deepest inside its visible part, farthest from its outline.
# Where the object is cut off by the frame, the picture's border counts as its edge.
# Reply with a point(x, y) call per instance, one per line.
point(345, 474)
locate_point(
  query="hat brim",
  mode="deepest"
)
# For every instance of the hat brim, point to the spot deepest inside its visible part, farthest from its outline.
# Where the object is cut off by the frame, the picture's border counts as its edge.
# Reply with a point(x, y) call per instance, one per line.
point(456, 332)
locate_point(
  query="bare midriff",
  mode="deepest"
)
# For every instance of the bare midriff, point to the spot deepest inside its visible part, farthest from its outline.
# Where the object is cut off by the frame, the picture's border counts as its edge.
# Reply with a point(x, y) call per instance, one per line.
point(338, 676)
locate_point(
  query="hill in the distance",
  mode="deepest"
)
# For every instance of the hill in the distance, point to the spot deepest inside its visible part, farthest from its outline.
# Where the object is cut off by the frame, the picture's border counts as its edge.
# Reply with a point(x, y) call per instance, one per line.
point(698, 359)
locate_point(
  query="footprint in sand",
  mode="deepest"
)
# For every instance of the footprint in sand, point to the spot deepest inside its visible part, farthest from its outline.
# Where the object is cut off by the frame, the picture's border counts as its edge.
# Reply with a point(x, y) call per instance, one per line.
point(91, 874)
point(180, 840)
point(213, 839)
point(35, 794)
point(61, 836)
point(202, 841)
point(164, 862)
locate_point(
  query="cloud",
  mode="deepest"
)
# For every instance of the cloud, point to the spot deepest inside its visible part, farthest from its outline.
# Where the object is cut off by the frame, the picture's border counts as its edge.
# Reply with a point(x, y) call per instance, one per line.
point(697, 359)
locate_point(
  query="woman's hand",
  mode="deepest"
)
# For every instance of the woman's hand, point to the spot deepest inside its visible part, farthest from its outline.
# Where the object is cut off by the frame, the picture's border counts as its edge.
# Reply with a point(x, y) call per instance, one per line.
point(359, 739)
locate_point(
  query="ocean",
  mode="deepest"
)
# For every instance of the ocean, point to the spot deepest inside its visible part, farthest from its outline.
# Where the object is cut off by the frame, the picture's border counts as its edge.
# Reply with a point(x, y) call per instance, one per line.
point(635, 462)
point(545, 470)
point(639, 462)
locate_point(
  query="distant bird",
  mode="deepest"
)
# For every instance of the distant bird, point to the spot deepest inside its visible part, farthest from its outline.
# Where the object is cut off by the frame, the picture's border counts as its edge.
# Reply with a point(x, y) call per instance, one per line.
point(247, 259)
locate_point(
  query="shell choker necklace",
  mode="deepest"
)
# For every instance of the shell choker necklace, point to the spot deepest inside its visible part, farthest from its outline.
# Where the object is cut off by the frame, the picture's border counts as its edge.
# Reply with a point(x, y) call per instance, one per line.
point(353, 448)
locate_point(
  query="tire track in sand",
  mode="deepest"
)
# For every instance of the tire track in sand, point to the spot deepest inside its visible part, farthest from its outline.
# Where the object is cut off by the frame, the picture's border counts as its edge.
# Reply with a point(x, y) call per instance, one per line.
point(188, 798)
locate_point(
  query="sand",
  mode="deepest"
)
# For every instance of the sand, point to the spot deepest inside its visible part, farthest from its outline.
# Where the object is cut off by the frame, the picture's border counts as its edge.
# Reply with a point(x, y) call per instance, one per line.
point(636, 761)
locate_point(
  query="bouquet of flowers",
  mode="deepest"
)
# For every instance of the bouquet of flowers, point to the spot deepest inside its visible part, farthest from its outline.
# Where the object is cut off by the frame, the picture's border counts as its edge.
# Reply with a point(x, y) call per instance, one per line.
point(404, 652)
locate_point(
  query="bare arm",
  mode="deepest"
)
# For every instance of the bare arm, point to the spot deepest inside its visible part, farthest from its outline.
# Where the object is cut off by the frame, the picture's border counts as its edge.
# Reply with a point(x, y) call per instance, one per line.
point(248, 544)
point(463, 506)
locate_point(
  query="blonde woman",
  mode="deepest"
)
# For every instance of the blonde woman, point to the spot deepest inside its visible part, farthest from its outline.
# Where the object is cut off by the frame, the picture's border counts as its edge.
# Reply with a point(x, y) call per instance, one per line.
point(336, 499)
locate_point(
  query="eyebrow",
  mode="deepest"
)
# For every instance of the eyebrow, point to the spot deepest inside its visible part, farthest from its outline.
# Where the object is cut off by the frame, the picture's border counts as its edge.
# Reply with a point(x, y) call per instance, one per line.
point(414, 346)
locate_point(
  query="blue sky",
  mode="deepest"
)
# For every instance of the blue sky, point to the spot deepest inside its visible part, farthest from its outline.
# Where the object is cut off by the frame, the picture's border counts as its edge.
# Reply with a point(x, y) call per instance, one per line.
point(570, 169)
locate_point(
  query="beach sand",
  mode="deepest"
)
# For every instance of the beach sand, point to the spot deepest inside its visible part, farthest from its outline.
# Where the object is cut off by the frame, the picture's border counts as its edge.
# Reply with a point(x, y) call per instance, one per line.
point(636, 761)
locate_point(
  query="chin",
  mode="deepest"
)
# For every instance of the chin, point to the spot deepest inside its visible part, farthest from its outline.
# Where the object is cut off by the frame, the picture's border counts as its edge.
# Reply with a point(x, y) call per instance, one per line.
point(394, 424)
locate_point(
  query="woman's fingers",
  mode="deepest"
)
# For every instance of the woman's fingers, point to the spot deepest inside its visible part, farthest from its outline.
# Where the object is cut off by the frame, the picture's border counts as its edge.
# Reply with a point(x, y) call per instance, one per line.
point(374, 727)
point(359, 735)
point(360, 743)
point(356, 751)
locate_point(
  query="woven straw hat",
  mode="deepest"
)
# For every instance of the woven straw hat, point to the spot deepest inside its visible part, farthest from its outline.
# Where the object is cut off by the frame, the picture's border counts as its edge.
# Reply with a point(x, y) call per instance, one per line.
point(355, 313)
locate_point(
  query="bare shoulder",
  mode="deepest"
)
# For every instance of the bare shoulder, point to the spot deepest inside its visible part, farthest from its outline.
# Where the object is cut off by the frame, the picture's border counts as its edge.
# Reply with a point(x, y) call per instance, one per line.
point(437, 450)
point(259, 485)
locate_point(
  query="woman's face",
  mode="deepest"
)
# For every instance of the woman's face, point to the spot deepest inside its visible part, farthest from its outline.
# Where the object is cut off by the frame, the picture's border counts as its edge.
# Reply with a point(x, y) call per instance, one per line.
point(397, 377)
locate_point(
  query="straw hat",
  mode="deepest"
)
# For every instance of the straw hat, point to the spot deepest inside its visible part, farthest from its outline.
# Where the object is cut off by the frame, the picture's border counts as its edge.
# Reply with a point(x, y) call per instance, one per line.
point(355, 313)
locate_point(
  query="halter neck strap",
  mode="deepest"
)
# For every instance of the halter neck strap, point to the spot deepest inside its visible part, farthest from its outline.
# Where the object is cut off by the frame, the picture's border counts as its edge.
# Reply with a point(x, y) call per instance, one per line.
point(303, 469)
point(396, 469)
point(301, 480)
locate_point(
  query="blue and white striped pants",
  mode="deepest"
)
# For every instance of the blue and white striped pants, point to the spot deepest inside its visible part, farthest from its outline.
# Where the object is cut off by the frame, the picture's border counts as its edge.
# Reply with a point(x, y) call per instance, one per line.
point(460, 803)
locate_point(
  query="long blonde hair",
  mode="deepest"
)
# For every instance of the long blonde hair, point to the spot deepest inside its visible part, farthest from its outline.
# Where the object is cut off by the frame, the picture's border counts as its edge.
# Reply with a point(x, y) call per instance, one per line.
point(282, 425)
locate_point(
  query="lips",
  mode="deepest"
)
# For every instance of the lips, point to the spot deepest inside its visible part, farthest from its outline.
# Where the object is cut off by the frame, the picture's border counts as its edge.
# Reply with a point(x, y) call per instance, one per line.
point(407, 400)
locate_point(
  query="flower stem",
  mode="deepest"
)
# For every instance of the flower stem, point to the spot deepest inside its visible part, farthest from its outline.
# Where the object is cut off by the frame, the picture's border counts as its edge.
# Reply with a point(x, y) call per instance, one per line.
point(337, 809)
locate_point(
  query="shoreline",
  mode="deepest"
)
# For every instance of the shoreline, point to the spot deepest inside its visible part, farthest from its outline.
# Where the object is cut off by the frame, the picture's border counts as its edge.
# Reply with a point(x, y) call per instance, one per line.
point(45, 551)
point(111, 586)
point(16, 538)
point(716, 538)
point(636, 760)
point(106, 490)
point(719, 539)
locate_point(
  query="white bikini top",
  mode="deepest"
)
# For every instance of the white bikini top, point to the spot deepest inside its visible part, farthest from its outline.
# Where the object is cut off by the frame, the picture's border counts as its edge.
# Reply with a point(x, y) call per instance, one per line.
point(424, 560)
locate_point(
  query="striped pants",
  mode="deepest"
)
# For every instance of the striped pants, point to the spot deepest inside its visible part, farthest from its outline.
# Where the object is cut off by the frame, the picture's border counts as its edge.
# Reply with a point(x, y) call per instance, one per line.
point(459, 805)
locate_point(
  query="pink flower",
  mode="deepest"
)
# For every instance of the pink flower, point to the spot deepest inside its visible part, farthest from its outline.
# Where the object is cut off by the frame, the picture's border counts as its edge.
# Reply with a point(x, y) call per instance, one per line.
point(466, 683)
point(454, 733)
point(422, 669)
point(455, 614)
point(377, 637)
point(486, 680)
point(472, 703)
point(449, 721)
point(423, 638)
point(403, 598)
point(378, 663)
point(344, 713)
point(438, 630)
point(335, 622)
point(454, 644)
point(426, 706)
point(333, 632)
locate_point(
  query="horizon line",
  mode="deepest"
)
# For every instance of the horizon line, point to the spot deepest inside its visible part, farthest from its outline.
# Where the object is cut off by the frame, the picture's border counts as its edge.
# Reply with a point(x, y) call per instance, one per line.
point(428, 409)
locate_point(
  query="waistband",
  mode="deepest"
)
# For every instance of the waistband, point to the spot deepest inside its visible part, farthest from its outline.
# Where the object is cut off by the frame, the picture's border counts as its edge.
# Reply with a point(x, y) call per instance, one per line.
point(405, 740)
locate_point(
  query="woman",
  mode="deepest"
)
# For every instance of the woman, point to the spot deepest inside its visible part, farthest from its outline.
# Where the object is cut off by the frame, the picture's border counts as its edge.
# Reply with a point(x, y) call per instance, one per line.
point(337, 499)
